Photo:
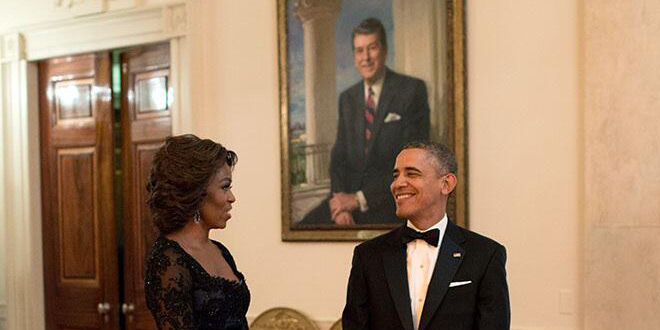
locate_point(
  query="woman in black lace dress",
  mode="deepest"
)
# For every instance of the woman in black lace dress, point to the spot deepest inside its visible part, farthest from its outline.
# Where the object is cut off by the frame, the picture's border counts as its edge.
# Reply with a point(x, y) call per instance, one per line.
point(192, 281)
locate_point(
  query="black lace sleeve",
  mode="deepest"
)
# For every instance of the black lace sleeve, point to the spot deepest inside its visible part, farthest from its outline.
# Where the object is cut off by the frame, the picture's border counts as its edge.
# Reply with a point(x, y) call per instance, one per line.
point(168, 289)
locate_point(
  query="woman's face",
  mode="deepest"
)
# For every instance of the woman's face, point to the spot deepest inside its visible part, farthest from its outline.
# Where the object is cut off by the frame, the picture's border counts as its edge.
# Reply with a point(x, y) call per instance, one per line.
point(216, 205)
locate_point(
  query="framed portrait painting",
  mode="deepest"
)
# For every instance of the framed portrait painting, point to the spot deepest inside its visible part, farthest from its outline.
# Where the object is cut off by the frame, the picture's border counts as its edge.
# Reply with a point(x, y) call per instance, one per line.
point(358, 80)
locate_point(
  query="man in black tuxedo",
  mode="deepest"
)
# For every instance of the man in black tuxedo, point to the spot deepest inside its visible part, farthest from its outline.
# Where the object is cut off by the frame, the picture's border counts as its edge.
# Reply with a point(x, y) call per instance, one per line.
point(428, 274)
point(377, 116)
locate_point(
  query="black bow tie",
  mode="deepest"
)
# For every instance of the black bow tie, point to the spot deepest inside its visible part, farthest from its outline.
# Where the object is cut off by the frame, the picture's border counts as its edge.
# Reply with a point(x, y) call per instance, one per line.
point(432, 236)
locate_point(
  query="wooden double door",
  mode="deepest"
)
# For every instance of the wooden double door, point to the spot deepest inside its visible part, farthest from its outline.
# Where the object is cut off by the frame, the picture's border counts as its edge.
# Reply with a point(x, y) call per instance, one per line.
point(97, 144)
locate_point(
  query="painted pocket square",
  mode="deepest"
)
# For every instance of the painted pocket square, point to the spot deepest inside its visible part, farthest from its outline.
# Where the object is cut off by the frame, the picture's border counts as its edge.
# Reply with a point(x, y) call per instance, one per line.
point(392, 116)
point(455, 284)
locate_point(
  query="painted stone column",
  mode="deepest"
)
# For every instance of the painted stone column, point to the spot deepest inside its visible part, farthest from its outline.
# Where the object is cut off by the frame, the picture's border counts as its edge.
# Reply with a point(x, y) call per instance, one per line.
point(319, 18)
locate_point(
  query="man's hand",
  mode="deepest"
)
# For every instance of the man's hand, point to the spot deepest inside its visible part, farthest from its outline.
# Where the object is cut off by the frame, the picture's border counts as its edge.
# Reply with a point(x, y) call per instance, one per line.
point(344, 219)
point(341, 202)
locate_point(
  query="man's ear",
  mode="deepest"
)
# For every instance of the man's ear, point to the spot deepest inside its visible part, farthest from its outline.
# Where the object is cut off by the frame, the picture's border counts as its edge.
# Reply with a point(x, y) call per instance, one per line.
point(449, 183)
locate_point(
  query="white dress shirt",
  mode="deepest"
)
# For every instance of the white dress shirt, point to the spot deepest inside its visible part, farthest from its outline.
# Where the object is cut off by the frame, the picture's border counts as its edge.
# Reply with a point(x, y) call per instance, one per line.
point(421, 258)
point(376, 87)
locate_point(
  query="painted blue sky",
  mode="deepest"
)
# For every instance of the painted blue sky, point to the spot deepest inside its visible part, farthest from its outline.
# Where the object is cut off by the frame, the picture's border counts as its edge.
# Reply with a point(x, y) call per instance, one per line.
point(352, 12)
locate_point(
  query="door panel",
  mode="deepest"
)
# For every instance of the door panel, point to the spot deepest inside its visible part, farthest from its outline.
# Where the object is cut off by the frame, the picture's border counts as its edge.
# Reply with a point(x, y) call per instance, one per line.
point(79, 240)
point(146, 122)
point(77, 191)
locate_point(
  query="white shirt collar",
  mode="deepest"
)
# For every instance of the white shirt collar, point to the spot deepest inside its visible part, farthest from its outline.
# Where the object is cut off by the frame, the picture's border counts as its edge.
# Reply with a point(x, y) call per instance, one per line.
point(377, 87)
point(441, 225)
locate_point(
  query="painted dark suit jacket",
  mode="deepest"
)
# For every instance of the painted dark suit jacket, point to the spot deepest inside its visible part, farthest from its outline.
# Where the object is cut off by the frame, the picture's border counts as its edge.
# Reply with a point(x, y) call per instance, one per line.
point(378, 297)
point(404, 100)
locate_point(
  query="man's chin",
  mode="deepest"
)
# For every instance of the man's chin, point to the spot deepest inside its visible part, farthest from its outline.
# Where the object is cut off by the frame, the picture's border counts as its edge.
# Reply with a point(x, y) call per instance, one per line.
point(372, 75)
point(368, 77)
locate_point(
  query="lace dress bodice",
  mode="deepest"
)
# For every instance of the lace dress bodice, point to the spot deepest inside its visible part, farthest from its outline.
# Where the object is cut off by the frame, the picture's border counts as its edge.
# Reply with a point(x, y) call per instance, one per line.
point(182, 295)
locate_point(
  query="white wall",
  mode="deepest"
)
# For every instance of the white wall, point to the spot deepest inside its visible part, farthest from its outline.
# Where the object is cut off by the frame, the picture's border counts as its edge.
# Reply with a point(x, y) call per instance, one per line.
point(16, 13)
point(524, 145)
point(19, 13)
point(524, 133)
point(239, 106)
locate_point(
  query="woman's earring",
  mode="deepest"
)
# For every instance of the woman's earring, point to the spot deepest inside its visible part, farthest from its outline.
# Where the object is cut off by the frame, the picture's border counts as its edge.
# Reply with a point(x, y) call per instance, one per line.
point(197, 217)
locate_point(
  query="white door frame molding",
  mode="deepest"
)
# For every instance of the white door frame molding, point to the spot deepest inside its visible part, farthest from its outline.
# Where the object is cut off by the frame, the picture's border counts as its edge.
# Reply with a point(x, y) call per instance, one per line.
point(20, 195)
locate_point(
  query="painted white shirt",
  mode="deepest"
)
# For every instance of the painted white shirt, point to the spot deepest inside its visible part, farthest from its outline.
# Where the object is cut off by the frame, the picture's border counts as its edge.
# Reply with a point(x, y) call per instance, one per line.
point(377, 87)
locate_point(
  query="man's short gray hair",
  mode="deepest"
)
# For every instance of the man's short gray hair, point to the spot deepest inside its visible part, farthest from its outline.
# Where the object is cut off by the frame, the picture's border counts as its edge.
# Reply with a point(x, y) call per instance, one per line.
point(441, 153)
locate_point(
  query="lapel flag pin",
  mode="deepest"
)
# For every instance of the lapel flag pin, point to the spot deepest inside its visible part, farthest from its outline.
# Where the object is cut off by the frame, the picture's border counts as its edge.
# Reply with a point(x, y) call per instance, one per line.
point(457, 255)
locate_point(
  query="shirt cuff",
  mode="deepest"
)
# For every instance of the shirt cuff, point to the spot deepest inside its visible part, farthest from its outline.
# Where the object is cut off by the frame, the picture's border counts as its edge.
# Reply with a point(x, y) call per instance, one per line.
point(362, 201)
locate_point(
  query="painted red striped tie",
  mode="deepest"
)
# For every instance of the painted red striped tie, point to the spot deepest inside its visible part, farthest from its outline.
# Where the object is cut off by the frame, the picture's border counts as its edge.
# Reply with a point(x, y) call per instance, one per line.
point(369, 113)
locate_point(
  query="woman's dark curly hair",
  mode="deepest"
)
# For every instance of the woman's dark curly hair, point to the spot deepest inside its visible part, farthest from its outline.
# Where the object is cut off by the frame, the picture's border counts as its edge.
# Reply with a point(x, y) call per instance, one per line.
point(181, 172)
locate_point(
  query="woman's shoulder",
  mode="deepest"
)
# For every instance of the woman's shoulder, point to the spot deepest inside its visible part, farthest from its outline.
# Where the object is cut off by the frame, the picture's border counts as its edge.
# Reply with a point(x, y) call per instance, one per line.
point(164, 248)
point(162, 244)
point(167, 258)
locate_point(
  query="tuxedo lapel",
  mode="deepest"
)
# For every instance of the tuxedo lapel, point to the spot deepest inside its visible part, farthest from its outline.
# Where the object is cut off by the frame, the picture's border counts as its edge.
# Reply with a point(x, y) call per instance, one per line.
point(450, 257)
point(394, 260)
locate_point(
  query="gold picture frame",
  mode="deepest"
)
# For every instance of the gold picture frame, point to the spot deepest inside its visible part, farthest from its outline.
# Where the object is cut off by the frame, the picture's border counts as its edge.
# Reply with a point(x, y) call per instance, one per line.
point(448, 123)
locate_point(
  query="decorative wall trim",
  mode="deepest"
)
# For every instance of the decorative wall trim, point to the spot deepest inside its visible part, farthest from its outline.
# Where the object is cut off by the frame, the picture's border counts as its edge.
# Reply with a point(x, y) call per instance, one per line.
point(89, 7)
point(12, 47)
point(121, 4)
point(116, 29)
point(176, 20)
point(82, 7)
point(22, 204)
point(19, 128)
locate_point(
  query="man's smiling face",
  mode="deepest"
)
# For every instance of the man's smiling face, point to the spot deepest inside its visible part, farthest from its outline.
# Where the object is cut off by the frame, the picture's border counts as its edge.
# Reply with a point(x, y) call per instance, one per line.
point(369, 56)
point(419, 187)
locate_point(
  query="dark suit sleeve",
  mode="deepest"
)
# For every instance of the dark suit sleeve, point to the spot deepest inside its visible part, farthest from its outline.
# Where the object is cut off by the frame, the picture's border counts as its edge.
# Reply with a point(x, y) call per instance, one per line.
point(416, 128)
point(338, 159)
point(493, 308)
point(356, 312)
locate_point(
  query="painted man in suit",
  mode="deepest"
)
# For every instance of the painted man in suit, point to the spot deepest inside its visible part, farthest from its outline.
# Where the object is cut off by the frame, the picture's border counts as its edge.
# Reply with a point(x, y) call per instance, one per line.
point(428, 274)
point(377, 116)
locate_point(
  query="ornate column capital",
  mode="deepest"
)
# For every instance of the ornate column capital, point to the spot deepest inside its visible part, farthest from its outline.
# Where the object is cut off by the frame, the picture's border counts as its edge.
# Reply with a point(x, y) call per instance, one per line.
point(12, 47)
point(307, 10)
